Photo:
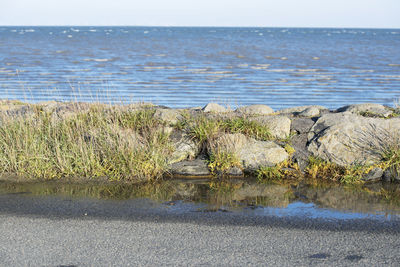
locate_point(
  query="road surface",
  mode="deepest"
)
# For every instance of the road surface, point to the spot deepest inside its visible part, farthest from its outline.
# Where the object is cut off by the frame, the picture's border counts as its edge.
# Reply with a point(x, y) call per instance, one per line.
point(56, 231)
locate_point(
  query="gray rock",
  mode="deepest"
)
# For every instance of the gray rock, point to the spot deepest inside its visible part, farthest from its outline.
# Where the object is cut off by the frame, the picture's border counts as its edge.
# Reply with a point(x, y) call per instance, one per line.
point(214, 107)
point(391, 175)
point(255, 110)
point(297, 110)
point(374, 175)
point(279, 126)
point(310, 112)
point(301, 154)
point(367, 109)
point(252, 153)
point(184, 147)
point(301, 125)
point(346, 139)
point(235, 171)
point(197, 167)
point(169, 116)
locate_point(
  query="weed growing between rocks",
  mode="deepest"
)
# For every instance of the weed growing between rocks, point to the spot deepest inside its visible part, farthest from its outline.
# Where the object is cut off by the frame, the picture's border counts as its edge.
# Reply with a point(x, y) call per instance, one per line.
point(287, 170)
point(203, 128)
point(221, 162)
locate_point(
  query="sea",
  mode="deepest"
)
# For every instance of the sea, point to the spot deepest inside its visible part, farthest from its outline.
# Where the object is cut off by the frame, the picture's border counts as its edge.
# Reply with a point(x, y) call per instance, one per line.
point(190, 66)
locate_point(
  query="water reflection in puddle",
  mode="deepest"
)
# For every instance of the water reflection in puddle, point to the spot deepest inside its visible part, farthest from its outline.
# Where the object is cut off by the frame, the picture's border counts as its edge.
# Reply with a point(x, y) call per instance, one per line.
point(374, 201)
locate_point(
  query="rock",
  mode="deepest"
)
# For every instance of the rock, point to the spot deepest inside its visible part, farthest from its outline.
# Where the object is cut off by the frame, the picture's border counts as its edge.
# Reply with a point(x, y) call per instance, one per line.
point(235, 171)
point(228, 143)
point(169, 116)
point(301, 154)
point(391, 175)
point(310, 112)
point(197, 167)
point(301, 125)
point(14, 108)
point(251, 153)
point(346, 139)
point(184, 147)
point(374, 175)
point(367, 110)
point(297, 110)
point(214, 107)
point(255, 110)
point(279, 126)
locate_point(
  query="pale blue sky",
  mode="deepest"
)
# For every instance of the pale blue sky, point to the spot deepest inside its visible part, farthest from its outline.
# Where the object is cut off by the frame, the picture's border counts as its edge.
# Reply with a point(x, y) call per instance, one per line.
point(266, 13)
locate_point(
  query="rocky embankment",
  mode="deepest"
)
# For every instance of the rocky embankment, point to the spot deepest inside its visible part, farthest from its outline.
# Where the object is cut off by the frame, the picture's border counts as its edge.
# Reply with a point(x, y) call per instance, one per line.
point(214, 140)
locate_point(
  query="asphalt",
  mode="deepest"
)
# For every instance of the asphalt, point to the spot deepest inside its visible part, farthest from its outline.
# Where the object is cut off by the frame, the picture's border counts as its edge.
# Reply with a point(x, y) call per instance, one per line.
point(56, 231)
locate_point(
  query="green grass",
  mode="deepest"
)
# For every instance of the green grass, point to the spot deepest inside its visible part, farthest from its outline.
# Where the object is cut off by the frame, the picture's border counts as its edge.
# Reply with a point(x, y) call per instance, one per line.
point(221, 162)
point(203, 128)
point(269, 173)
point(391, 158)
point(101, 142)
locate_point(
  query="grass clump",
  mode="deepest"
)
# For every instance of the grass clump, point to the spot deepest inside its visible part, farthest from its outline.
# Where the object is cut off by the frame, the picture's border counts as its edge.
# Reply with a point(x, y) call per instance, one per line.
point(247, 127)
point(391, 159)
point(326, 170)
point(204, 129)
point(221, 162)
point(284, 170)
point(269, 173)
point(100, 142)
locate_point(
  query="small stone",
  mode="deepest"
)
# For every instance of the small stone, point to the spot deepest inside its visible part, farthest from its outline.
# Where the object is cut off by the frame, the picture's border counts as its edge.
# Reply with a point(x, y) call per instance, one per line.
point(255, 110)
point(235, 171)
point(374, 175)
point(390, 176)
point(214, 107)
point(197, 167)
point(170, 116)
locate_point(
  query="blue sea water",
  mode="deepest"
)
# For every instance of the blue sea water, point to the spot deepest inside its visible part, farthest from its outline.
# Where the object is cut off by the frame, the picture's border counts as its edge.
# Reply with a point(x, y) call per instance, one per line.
point(187, 66)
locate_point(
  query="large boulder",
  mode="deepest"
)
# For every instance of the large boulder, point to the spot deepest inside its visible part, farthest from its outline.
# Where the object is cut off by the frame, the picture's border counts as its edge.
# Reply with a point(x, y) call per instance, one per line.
point(346, 138)
point(251, 153)
point(367, 110)
point(279, 126)
point(255, 110)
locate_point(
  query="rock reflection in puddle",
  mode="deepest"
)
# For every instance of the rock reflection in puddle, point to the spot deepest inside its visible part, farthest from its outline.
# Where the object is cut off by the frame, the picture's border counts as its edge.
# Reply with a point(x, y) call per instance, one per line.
point(330, 201)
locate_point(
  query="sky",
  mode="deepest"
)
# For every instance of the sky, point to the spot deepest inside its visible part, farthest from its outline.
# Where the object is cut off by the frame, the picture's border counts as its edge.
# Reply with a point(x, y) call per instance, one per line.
point(264, 13)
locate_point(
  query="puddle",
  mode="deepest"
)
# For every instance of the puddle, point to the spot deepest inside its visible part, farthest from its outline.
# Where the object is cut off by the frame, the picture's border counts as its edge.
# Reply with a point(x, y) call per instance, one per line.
point(374, 201)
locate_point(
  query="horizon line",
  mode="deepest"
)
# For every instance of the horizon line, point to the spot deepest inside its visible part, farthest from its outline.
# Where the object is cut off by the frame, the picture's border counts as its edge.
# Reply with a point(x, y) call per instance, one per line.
point(200, 26)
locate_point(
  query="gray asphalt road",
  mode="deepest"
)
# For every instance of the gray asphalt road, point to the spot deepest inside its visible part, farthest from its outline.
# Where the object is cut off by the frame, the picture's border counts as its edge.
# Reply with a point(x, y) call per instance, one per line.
point(51, 231)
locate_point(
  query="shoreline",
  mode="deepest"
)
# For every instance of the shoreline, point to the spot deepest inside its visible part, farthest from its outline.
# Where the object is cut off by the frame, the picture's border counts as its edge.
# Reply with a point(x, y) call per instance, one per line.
point(136, 142)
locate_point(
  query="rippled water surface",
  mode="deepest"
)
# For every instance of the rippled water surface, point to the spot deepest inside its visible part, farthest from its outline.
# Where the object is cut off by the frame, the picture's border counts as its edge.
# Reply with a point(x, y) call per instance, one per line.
point(181, 67)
